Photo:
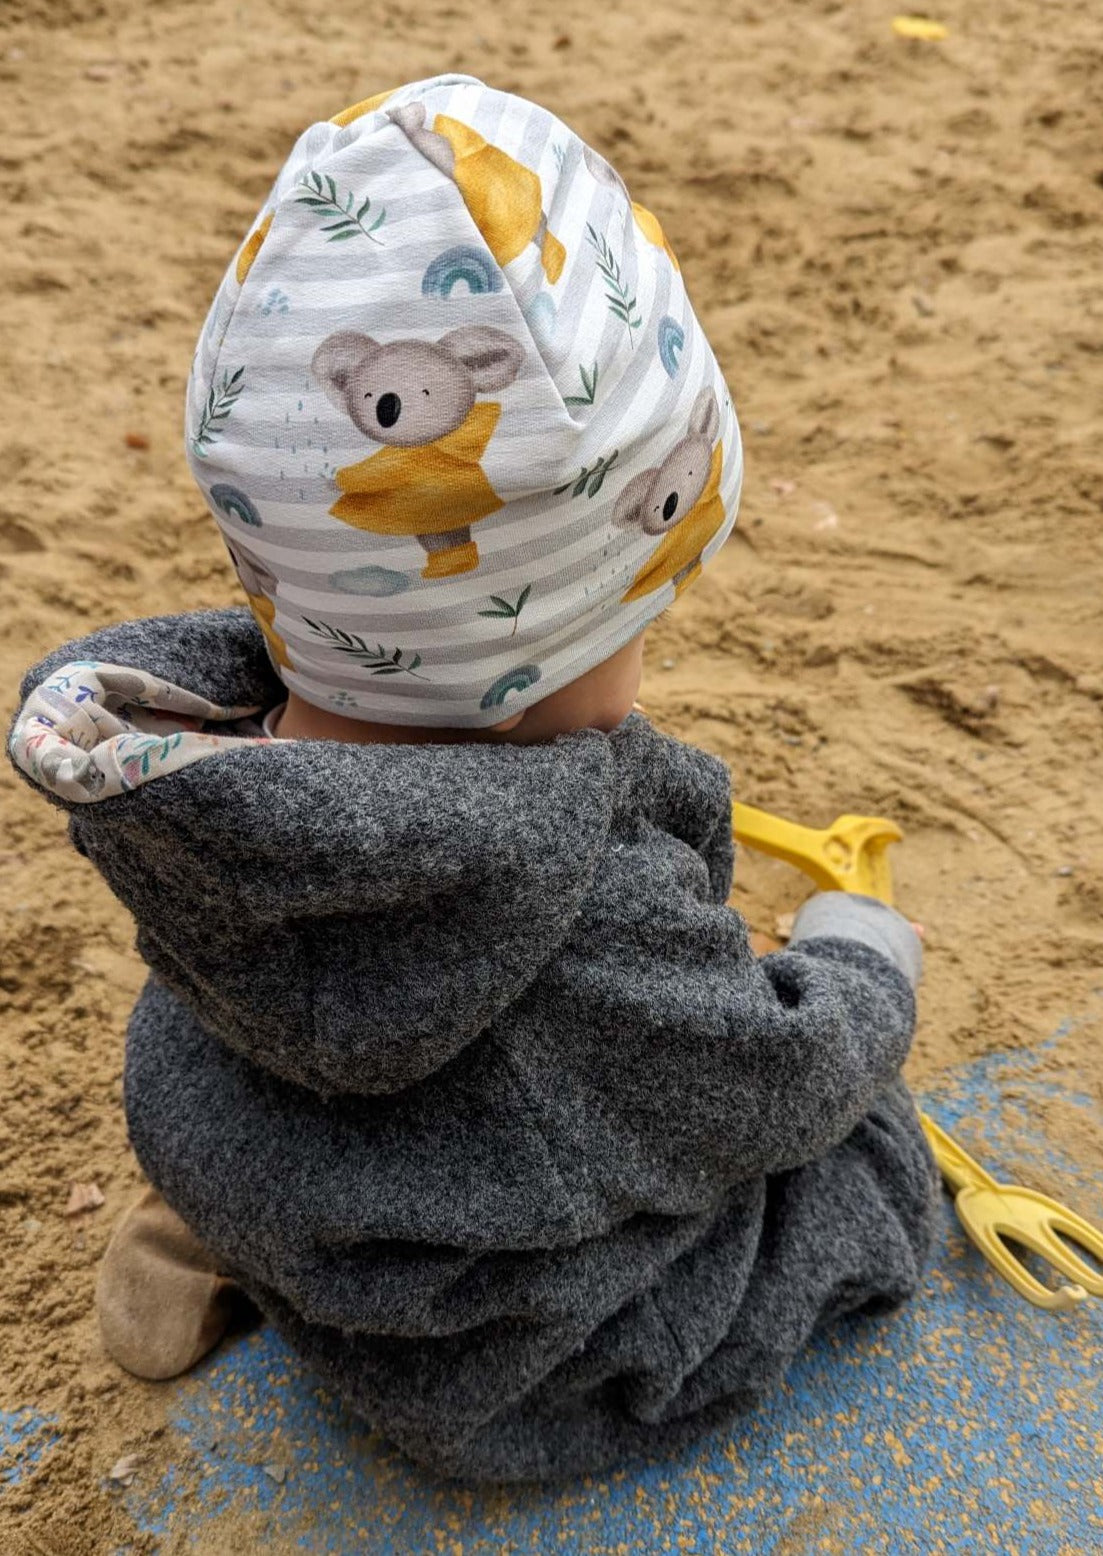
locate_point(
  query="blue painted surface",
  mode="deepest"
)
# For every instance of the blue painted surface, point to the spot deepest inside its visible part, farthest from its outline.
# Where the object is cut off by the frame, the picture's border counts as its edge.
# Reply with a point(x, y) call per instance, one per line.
point(25, 1436)
point(969, 1423)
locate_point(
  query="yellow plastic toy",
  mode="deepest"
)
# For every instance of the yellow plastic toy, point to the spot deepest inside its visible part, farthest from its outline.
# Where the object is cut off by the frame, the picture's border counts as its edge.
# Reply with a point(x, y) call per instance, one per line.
point(850, 855)
point(990, 1211)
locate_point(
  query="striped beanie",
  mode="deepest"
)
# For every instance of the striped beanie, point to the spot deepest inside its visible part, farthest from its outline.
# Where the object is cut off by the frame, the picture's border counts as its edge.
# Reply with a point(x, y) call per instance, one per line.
point(453, 413)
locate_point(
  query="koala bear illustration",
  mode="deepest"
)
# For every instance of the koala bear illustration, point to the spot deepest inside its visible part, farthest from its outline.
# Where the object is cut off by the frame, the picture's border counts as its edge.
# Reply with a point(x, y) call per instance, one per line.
point(679, 500)
point(418, 398)
point(655, 500)
point(260, 590)
point(503, 196)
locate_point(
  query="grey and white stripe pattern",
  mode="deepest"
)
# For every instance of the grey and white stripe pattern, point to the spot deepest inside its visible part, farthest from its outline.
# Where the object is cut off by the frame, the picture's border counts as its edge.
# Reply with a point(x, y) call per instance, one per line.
point(450, 312)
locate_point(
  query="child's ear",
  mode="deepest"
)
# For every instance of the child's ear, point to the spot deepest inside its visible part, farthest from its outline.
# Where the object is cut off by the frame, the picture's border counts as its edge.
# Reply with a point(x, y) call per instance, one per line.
point(629, 505)
point(705, 417)
point(336, 359)
point(492, 358)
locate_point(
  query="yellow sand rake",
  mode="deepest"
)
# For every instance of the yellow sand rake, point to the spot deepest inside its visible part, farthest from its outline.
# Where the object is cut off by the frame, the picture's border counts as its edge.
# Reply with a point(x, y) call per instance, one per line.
point(851, 855)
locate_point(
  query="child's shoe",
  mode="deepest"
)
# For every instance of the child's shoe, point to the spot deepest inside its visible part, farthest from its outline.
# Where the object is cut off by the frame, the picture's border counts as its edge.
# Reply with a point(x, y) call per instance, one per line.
point(161, 1302)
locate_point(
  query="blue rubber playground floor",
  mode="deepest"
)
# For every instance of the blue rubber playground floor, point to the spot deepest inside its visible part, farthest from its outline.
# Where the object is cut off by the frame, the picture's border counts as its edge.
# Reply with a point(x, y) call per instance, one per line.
point(968, 1423)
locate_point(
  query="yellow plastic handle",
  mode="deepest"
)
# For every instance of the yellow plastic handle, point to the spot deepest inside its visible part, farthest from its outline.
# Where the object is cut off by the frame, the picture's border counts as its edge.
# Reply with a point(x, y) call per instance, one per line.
point(849, 855)
point(954, 1162)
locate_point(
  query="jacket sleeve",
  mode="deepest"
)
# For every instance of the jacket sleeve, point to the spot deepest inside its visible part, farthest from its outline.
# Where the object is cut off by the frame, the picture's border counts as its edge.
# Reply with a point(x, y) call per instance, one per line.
point(835, 1016)
point(712, 1067)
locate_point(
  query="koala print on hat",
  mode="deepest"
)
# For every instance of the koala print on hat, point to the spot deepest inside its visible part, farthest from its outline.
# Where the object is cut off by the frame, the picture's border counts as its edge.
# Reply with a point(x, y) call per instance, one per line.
point(680, 500)
point(502, 195)
point(487, 431)
point(260, 585)
point(417, 398)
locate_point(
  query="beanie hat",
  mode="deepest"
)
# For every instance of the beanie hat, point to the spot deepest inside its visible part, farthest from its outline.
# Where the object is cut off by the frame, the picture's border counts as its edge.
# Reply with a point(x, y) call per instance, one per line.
point(453, 412)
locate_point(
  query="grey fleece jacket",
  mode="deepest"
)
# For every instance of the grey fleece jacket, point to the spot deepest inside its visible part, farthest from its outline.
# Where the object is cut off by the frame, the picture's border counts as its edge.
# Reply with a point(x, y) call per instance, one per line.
point(457, 1060)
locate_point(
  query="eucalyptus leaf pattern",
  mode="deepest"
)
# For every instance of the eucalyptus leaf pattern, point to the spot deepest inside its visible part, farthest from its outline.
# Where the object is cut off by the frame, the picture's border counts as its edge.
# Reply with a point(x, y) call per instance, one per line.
point(376, 658)
point(347, 212)
point(621, 301)
point(220, 402)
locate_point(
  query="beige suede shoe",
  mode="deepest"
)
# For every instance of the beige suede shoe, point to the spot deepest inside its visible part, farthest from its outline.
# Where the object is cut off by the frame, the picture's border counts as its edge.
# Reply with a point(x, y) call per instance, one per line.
point(162, 1304)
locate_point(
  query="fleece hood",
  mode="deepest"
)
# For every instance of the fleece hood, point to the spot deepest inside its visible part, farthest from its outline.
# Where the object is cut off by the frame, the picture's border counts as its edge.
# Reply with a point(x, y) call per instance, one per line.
point(351, 916)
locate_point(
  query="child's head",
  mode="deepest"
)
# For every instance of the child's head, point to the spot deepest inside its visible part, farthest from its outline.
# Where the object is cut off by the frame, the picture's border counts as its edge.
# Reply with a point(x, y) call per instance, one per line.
point(455, 416)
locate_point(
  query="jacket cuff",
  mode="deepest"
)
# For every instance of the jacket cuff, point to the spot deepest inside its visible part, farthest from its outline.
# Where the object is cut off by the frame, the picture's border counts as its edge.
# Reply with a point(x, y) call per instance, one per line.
point(842, 915)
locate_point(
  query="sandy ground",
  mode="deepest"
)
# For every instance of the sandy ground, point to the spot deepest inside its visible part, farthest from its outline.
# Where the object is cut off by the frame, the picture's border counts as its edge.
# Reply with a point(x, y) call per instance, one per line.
point(895, 248)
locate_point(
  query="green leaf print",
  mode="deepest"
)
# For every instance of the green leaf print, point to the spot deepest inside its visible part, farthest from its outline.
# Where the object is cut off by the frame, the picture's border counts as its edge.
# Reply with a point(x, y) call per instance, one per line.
point(621, 304)
point(377, 659)
point(322, 196)
point(589, 387)
point(503, 609)
point(216, 412)
point(592, 477)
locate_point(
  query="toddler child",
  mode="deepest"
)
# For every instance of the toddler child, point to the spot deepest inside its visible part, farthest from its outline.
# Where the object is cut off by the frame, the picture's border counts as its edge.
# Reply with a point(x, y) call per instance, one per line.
point(452, 1056)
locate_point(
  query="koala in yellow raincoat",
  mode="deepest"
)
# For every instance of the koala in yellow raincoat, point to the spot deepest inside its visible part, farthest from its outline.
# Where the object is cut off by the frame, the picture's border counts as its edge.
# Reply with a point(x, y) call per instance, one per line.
point(679, 500)
point(417, 398)
point(503, 196)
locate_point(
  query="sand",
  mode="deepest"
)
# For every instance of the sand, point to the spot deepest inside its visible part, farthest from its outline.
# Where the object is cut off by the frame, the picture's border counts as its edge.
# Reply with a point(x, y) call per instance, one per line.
point(895, 248)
